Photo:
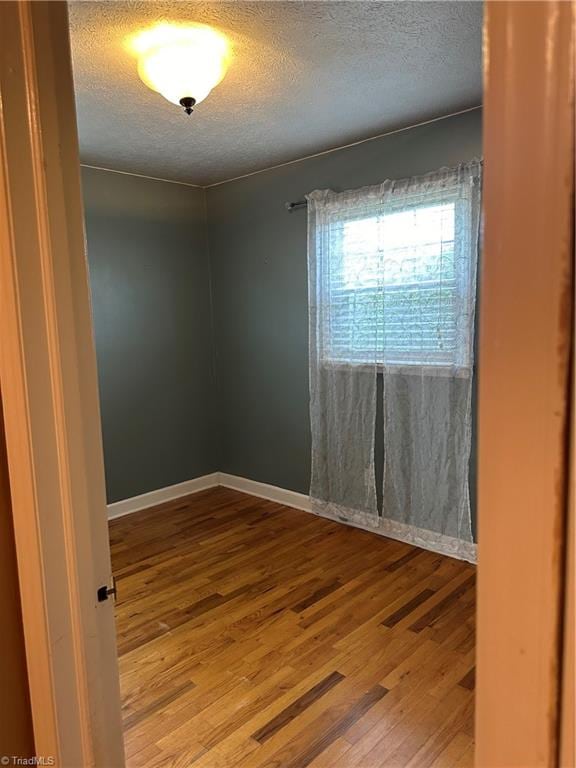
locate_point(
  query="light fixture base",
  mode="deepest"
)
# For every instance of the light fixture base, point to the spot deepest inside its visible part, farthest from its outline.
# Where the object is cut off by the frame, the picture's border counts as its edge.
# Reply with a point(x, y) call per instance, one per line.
point(188, 102)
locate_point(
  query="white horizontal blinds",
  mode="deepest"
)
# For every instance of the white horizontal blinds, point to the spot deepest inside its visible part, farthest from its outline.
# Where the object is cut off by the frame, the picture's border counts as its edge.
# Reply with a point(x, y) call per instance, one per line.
point(398, 282)
point(420, 279)
point(353, 297)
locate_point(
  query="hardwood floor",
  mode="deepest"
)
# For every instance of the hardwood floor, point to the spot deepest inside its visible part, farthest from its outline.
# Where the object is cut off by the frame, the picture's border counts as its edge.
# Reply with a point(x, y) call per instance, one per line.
point(252, 635)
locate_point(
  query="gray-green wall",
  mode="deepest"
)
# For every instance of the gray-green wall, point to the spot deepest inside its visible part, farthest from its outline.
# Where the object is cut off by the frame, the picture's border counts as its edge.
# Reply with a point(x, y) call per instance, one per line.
point(150, 283)
point(157, 264)
point(258, 261)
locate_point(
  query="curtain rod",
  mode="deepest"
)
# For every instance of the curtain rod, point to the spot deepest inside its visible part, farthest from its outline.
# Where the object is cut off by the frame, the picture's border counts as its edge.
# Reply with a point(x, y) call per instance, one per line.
point(304, 203)
point(296, 205)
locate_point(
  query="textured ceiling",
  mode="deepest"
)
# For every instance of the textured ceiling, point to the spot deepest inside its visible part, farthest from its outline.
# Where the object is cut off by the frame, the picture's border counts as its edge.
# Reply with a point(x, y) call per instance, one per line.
point(305, 77)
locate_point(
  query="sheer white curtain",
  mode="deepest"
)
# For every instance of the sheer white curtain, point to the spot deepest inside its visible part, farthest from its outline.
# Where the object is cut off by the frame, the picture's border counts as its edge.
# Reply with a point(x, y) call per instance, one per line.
point(392, 287)
point(342, 385)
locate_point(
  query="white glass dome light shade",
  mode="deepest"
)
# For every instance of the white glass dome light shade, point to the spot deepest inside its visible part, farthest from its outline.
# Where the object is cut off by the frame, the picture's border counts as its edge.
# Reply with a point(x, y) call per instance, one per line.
point(181, 61)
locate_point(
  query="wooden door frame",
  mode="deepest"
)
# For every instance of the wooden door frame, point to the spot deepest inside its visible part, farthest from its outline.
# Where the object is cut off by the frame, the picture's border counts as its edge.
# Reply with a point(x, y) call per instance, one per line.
point(50, 400)
point(567, 746)
point(48, 381)
point(525, 342)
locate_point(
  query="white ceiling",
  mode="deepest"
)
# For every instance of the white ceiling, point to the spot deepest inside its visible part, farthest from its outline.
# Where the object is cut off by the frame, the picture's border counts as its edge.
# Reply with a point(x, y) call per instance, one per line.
point(305, 76)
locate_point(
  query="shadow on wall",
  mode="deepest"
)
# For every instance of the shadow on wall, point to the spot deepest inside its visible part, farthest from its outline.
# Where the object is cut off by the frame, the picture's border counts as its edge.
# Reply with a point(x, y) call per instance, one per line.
point(150, 283)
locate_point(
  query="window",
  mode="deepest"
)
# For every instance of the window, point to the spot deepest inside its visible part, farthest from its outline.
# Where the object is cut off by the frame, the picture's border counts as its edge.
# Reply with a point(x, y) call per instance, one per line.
point(398, 280)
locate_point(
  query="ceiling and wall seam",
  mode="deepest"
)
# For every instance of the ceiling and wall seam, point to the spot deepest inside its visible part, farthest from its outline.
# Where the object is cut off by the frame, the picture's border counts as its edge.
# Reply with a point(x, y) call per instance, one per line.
point(288, 162)
point(141, 175)
point(344, 146)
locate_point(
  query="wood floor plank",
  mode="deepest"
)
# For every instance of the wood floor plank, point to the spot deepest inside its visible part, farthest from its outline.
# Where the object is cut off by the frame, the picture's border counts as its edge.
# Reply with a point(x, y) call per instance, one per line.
point(411, 553)
point(298, 706)
point(407, 608)
point(145, 712)
point(326, 736)
point(437, 611)
point(235, 744)
point(316, 596)
point(469, 680)
point(452, 755)
point(253, 635)
point(334, 755)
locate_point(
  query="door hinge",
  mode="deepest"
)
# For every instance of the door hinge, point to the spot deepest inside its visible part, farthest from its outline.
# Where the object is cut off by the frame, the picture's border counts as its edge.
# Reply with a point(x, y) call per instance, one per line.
point(104, 592)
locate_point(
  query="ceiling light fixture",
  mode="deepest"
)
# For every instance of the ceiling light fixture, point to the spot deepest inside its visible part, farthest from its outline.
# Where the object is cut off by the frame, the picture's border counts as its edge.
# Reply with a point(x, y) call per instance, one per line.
point(182, 62)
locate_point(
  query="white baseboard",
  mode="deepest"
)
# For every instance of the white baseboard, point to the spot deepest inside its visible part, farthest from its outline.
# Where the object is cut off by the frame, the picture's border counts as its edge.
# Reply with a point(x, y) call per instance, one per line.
point(444, 545)
point(265, 491)
point(290, 499)
point(137, 503)
point(172, 492)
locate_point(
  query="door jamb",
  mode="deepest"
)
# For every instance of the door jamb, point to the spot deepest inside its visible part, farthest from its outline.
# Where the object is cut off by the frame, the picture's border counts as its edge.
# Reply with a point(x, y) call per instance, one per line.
point(49, 393)
point(525, 339)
